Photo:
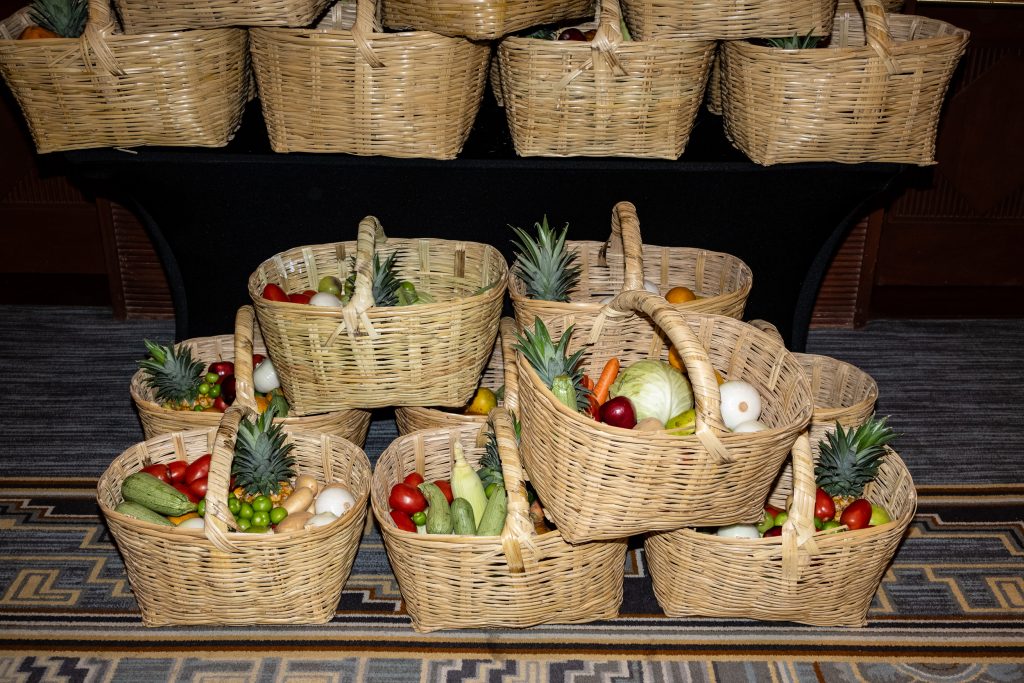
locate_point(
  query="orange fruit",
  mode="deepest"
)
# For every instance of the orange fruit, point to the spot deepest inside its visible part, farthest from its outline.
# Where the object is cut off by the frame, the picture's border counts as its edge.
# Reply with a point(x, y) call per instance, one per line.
point(679, 295)
point(675, 360)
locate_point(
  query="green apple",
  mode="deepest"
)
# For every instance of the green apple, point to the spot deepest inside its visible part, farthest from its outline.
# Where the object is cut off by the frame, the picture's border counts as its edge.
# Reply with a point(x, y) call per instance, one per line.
point(329, 283)
point(781, 518)
point(830, 524)
point(683, 424)
point(879, 516)
point(766, 523)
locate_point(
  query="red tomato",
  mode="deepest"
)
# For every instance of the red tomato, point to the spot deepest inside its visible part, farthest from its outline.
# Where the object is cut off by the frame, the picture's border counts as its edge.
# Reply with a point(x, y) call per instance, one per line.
point(198, 468)
point(414, 479)
point(257, 358)
point(198, 487)
point(274, 292)
point(177, 469)
point(824, 507)
point(309, 292)
point(857, 516)
point(403, 521)
point(187, 491)
point(774, 531)
point(220, 405)
point(772, 510)
point(446, 489)
point(159, 471)
point(299, 298)
point(407, 498)
point(222, 368)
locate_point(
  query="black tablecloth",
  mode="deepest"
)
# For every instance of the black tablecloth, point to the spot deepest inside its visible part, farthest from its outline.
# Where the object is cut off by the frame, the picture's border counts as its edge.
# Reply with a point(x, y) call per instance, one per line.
point(215, 214)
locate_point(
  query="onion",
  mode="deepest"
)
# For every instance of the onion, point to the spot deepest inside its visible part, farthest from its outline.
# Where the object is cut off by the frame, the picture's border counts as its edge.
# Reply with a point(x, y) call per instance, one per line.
point(325, 299)
point(740, 403)
point(264, 377)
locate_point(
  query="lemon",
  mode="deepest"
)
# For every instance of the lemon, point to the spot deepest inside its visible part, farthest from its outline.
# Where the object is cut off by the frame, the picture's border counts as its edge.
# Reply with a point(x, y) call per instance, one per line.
point(483, 401)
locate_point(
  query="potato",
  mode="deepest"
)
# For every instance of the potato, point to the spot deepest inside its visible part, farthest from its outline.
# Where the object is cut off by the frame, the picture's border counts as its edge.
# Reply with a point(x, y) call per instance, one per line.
point(298, 501)
point(308, 481)
point(292, 522)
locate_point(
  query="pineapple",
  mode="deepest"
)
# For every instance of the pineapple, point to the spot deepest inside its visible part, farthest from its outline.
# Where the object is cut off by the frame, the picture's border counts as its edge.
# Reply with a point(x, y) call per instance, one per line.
point(62, 18)
point(173, 375)
point(385, 284)
point(849, 459)
point(490, 464)
point(262, 464)
point(550, 359)
point(546, 267)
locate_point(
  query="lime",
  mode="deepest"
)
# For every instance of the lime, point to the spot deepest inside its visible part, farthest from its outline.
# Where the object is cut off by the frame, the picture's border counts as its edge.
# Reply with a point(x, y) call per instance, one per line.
point(277, 514)
point(262, 504)
point(234, 505)
point(245, 511)
point(201, 508)
point(243, 523)
point(419, 518)
point(260, 518)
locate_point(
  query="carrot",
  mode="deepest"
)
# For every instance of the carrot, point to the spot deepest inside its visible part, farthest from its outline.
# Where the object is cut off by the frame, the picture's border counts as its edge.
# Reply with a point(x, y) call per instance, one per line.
point(604, 382)
point(589, 384)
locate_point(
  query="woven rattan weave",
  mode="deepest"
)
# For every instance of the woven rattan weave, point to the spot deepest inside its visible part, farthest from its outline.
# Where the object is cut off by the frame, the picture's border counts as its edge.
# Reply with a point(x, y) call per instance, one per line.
point(727, 20)
point(480, 19)
point(140, 16)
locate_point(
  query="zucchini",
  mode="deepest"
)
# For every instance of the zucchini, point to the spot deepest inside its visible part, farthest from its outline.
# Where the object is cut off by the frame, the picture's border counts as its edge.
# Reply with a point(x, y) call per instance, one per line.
point(145, 489)
point(494, 514)
point(462, 517)
point(142, 513)
point(439, 516)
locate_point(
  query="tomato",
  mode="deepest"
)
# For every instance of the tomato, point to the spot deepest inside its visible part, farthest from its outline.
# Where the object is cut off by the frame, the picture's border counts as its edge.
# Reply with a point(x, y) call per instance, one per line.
point(402, 521)
point(299, 298)
point(824, 506)
point(771, 510)
point(198, 468)
point(414, 479)
point(257, 358)
point(222, 368)
point(407, 499)
point(187, 491)
point(310, 292)
point(159, 471)
point(274, 292)
point(176, 470)
point(774, 531)
point(446, 489)
point(857, 515)
point(199, 487)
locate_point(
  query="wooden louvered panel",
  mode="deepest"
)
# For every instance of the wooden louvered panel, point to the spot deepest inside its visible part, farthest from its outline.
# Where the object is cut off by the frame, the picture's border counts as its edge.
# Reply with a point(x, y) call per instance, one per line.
point(138, 284)
point(839, 299)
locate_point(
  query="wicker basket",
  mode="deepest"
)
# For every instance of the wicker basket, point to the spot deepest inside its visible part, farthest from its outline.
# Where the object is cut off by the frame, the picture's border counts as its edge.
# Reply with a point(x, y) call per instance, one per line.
point(349, 424)
point(849, 102)
point(360, 91)
point(107, 89)
point(363, 356)
point(604, 98)
point(824, 578)
point(599, 481)
point(513, 581)
point(141, 16)
point(500, 372)
point(239, 579)
point(623, 262)
point(722, 20)
point(480, 19)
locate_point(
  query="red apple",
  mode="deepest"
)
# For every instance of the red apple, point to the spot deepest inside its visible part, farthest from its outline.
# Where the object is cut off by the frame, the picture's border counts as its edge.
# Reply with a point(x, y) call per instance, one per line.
point(857, 515)
point(618, 412)
point(824, 506)
point(222, 368)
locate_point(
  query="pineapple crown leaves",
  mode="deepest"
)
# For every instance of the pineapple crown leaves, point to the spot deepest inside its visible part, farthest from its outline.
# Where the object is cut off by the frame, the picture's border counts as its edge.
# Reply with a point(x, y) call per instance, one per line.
point(849, 459)
point(66, 18)
point(550, 359)
point(795, 41)
point(171, 372)
point(262, 458)
point(546, 267)
point(385, 284)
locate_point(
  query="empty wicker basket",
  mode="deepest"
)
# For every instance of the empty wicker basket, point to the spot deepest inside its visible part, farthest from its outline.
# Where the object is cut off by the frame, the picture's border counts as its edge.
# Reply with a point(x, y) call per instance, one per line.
point(349, 424)
point(623, 262)
point(825, 578)
point(237, 578)
point(598, 481)
point(865, 97)
point(343, 87)
point(108, 89)
point(608, 97)
point(365, 356)
point(480, 19)
point(726, 20)
point(514, 580)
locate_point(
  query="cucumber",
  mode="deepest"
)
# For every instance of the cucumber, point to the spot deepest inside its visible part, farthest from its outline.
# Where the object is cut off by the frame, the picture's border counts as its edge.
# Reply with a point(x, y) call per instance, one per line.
point(462, 517)
point(142, 513)
point(493, 520)
point(439, 516)
point(146, 490)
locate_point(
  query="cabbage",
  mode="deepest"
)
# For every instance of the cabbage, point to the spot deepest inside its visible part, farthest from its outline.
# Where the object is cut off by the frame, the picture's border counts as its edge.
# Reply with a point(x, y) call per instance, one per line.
point(656, 389)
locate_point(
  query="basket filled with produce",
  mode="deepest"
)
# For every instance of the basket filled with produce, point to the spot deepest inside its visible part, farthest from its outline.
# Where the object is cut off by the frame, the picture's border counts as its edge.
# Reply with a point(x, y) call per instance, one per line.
point(141, 16)
point(553, 276)
point(264, 528)
point(81, 82)
point(480, 19)
point(815, 558)
point(483, 561)
point(189, 385)
point(396, 322)
point(351, 88)
point(652, 447)
point(565, 95)
point(871, 92)
point(721, 20)
point(497, 388)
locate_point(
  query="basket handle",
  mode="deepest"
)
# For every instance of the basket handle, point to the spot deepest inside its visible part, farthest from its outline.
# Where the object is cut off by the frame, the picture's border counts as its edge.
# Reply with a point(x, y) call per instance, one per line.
point(609, 34)
point(507, 335)
point(876, 30)
point(218, 518)
point(354, 312)
point(693, 354)
point(798, 530)
point(626, 237)
point(245, 325)
point(99, 25)
point(767, 327)
point(366, 24)
point(517, 533)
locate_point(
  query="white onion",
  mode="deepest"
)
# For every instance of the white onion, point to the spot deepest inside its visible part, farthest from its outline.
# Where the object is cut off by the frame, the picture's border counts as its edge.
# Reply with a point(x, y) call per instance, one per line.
point(740, 403)
point(325, 299)
point(738, 531)
point(322, 519)
point(335, 499)
point(651, 287)
point(750, 426)
point(264, 377)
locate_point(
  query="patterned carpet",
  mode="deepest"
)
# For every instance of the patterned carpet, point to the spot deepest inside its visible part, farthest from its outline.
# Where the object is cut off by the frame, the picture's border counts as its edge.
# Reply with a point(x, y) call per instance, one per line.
point(950, 608)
